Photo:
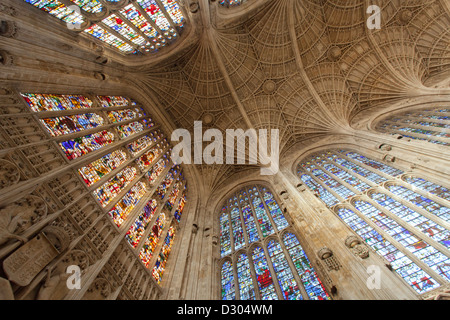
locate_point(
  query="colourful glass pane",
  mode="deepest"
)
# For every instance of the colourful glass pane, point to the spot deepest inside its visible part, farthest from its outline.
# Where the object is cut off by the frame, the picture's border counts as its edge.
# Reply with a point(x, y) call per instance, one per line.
point(348, 178)
point(309, 278)
point(430, 187)
point(244, 276)
point(122, 209)
point(124, 115)
point(139, 226)
point(121, 27)
point(59, 126)
point(288, 285)
point(139, 21)
point(417, 246)
point(154, 173)
point(263, 275)
point(261, 214)
point(174, 11)
point(180, 207)
point(236, 226)
point(427, 226)
point(110, 189)
point(154, 12)
point(141, 144)
point(152, 240)
point(78, 147)
point(374, 164)
point(326, 196)
point(225, 237)
point(418, 279)
point(148, 157)
point(160, 265)
point(249, 220)
point(165, 184)
point(52, 102)
point(94, 171)
point(113, 101)
point(227, 281)
point(107, 37)
point(93, 6)
point(274, 210)
point(59, 10)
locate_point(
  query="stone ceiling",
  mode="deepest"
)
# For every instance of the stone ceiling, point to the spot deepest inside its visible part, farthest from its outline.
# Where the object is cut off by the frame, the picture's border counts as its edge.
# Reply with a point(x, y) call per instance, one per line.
point(303, 67)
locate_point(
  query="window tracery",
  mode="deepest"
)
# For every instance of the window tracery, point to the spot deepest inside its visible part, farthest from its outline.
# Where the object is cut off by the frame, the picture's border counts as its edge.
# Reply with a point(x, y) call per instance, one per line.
point(277, 269)
point(401, 217)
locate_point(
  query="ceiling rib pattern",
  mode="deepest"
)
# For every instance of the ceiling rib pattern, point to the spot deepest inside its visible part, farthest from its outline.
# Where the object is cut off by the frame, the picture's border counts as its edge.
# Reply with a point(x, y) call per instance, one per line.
point(306, 68)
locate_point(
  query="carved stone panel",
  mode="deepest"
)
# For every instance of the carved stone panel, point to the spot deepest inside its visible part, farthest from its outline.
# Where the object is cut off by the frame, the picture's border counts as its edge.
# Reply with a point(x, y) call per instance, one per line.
point(23, 265)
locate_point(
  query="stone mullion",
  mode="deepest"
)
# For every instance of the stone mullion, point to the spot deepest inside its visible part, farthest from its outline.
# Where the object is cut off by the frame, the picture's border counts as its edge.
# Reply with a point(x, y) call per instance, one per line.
point(422, 192)
point(255, 217)
point(414, 232)
point(323, 185)
point(336, 178)
point(404, 122)
point(244, 228)
point(365, 166)
point(158, 211)
point(275, 281)
point(354, 174)
point(166, 14)
point(118, 35)
point(423, 213)
point(253, 275)
point(148, 19)
point(132, 26)
point(274, 225)
point(293, 269)
point(131, 161)
point(397, 244)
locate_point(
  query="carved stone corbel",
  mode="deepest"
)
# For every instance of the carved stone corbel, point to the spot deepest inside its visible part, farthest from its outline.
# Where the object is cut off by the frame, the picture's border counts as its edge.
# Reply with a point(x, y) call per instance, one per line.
point(357, 247)
point(328, 258)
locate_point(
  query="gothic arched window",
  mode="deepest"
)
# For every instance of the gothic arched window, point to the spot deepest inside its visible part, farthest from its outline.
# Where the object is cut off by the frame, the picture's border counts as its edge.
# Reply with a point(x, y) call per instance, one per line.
point(262, 258)
point(430, 125)
point(130, 175)
point(402, 217)
point(139, 27)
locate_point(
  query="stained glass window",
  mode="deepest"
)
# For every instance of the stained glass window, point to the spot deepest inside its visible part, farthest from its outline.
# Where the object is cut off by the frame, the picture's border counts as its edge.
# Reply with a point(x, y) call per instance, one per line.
point(150, 244)
point(52, 102)
point(139, 226)
point(160, 265)
point(94, 171)
point(58, 126)
point(406, 224)
point(429, 125)
point(135, 28)
point(110, 189)
point(77, 147)
point(227, 282)
point(250, 215)
point(122, 209)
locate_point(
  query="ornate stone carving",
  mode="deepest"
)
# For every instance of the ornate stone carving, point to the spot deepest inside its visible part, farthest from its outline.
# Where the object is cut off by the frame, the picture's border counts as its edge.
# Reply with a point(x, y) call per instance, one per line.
point(23, 265)
point(7, 29)
point(357, 247)
point(18, 216)
point(328, 258)
point(9, 174)
point(99, 290)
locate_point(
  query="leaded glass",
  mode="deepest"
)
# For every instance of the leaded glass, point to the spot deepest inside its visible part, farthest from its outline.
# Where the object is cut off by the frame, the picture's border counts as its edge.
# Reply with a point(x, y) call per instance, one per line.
point(263, 275)
point(122, 209)
point(245, 282)
point(160, 265)
point(52, 102)
point(77, 147)
point(227, 281)
point(139, 226)
point(94, 171)
point(59, 126)
point(151, 242)
point(308, 276)
point(110, 189)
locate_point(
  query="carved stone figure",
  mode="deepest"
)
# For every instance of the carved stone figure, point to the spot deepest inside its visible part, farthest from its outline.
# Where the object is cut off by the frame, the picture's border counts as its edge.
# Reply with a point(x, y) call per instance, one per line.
point(17, 217)
point(357, 247)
